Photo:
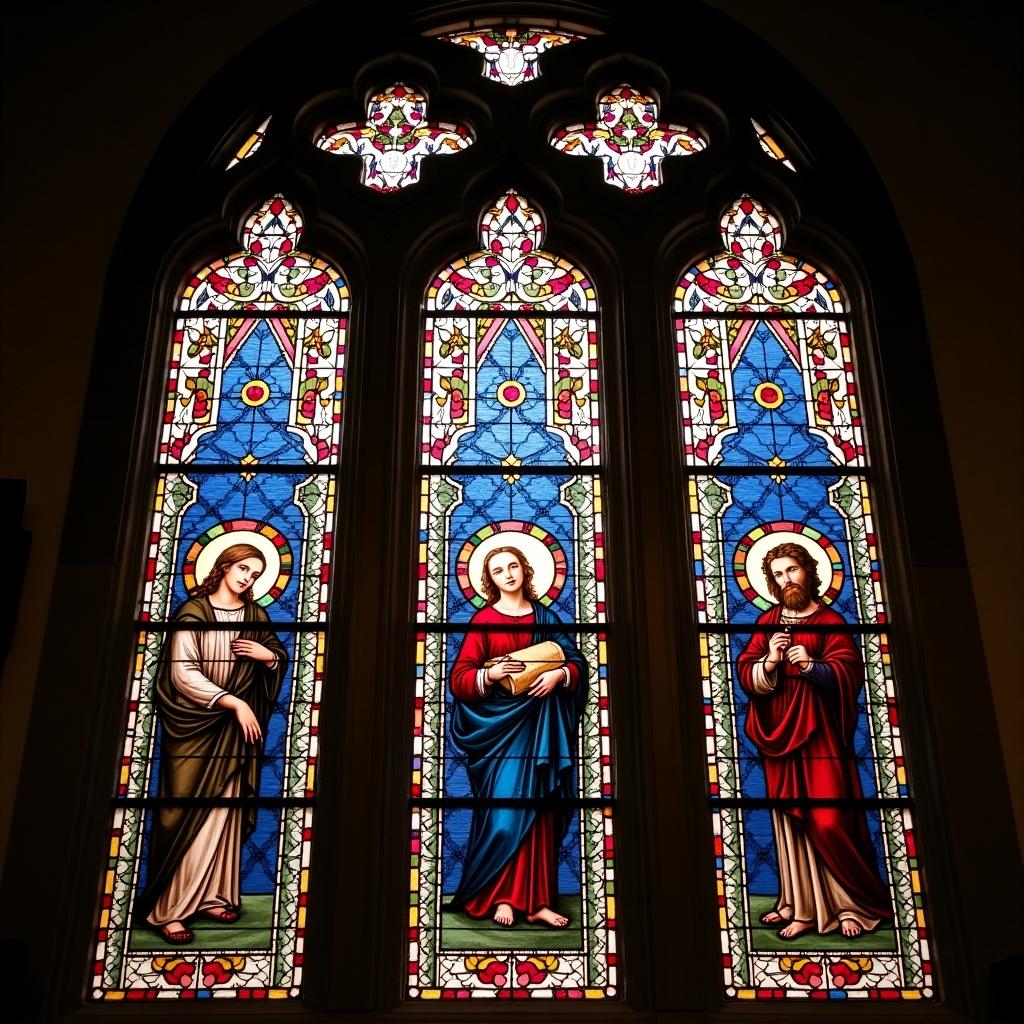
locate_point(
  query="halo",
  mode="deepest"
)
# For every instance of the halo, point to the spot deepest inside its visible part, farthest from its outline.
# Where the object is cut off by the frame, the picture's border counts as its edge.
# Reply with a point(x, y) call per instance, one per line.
point(277, 555)
point(756, 544)
point(540, 548)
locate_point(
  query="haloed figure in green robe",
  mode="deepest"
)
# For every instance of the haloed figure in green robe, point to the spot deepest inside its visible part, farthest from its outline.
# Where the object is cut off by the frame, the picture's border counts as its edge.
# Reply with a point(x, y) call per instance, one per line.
point(214, 694)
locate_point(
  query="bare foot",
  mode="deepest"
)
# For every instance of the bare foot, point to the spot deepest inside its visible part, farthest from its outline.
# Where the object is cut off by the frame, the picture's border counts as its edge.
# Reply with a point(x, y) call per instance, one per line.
point(175, 931)
point(503, 915)
point(795, 928)
point(774, 917)
point(547, 916)
point(851, 929)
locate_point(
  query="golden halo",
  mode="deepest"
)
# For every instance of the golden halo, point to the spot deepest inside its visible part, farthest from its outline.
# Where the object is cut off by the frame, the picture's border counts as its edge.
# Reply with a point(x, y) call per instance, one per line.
point(272, 558)
point(764, 544)
point(535, 551)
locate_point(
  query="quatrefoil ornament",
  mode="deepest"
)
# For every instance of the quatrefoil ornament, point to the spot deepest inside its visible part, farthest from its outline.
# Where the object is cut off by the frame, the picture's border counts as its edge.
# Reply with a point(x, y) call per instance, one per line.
point(629, 139)
point(395, 138)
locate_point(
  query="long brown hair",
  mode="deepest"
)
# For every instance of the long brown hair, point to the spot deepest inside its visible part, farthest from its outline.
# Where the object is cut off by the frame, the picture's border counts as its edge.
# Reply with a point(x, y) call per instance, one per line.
point(227, 558)
point(490, 588)
point(803, 558)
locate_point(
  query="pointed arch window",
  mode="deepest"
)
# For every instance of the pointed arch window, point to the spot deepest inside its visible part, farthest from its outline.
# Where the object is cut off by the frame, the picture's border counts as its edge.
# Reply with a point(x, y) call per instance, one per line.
point(818, 879)
point(210, 848)
point(512, 851)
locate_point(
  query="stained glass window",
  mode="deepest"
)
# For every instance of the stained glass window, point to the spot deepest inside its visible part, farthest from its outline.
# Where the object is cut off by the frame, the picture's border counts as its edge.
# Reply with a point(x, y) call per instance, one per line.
point(628, 138)
point(251, 145)
point(819, 884)
point(771, 147)
point(394, 139)
point(205, 892)
point(512, 55)
point(512, 853)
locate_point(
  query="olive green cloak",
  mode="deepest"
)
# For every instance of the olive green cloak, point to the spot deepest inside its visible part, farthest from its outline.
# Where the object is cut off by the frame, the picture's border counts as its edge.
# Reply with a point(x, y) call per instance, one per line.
point(202, 748)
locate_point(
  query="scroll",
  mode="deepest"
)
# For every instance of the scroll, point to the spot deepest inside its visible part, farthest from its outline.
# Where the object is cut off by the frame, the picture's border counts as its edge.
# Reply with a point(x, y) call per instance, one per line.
point(538, 658)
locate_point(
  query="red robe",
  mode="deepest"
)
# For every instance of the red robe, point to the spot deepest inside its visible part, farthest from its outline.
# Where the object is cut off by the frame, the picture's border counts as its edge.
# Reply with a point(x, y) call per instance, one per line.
point(804, 731)
point(529, 881)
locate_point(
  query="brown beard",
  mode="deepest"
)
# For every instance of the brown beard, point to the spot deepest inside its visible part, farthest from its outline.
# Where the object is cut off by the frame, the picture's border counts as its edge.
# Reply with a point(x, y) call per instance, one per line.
point(795, 598)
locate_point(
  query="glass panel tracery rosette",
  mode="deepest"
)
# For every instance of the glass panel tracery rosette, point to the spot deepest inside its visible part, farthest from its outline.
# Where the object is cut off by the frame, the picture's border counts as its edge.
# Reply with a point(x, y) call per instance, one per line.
point(395, 139)
point(512, 55)
point(510, 441)
point(246, 456)
point(629, 140)
point(806, 768)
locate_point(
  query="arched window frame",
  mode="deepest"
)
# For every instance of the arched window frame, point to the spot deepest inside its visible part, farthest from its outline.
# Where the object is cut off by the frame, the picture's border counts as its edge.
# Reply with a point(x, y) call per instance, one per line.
point(662, 518)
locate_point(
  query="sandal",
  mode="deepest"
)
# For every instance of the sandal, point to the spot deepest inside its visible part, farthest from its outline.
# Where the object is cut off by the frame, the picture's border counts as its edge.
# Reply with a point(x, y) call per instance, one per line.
point(227, 914)
point(178, 936)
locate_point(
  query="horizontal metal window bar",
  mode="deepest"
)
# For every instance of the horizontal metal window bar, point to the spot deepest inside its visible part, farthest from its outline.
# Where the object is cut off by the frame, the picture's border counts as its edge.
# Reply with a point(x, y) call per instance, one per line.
point(506, 627)
point(568, 469)
point(838, 318)
point(267, 802)
point(256, 314)
point(741, 628)
point(865, 803)
point(451, 802)
point(255, 468)
point(720, 469)
point(510, 314)
point(143, 626)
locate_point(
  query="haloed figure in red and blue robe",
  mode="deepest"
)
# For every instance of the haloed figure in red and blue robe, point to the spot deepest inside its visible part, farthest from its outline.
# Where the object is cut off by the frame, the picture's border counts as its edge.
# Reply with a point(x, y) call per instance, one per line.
point(519, 747)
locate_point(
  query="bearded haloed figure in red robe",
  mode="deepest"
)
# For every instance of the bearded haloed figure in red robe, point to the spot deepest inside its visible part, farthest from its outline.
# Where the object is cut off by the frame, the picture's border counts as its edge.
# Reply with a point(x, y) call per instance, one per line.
point(803, 686)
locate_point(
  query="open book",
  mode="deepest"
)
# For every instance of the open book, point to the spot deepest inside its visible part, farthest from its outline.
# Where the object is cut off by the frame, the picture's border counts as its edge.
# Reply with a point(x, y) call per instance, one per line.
point(538, 658)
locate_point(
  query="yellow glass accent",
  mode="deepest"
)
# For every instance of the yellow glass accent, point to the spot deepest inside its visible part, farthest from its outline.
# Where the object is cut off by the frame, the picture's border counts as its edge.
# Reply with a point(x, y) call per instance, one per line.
point(593, 993)
point(124, 774)
point(915, 879)
point(281, 993)
point(901, 775)
point(704, 645)
point(108, 883)
point(746, 993)
point(417, 777)
point(105, 919)
point(304, 880)
point(712, 773)
point(920, 919)
point(430, 993)
point(302, 917)
point(611, 907)
point(414, 916)
point(310, 775)
point(320, 663)
point(421, 651)
point(910, 993)
point(414, 880)
point(722, 922)
point(113, 996)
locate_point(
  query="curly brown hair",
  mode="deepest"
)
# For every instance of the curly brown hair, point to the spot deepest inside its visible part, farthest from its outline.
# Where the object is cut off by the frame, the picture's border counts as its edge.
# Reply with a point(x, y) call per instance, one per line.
point(802, 557)
point(227, 558)
point(490, 588)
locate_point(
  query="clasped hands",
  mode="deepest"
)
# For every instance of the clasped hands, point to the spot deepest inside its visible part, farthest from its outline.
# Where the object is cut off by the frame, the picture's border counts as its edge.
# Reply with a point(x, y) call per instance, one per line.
point(781, 646)
point(544, 684)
